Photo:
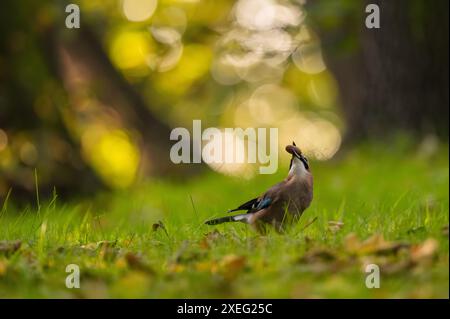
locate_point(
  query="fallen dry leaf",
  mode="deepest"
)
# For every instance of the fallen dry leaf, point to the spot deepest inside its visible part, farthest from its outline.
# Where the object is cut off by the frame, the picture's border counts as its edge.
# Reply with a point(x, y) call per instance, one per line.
point(424, 251)
point(121, 263)
point(94, 289)
point(204, 244)
point(396, 267)
point(3, 267)
point(375, 244)
point(389, 265)
point(318, 255)
point(210, 238)
point(135, 284)
point(352, 242)
point(186, 254)
point(207, 266)
point(321, 260)
point(109, 253)
point(231, 265)
point(9, 247)
point(137, 263)
point(175, 268)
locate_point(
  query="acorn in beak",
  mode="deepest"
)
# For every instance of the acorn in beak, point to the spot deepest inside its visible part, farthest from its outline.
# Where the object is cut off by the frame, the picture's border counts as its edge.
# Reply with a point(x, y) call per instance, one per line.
point(294, 150)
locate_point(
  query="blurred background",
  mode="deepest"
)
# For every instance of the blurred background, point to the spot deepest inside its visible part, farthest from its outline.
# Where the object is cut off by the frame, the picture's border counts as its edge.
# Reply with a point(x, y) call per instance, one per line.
point(87, 109)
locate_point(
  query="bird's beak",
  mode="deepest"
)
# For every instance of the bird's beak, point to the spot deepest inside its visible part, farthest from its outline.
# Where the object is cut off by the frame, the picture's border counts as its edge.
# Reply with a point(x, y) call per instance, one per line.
point(296, 154)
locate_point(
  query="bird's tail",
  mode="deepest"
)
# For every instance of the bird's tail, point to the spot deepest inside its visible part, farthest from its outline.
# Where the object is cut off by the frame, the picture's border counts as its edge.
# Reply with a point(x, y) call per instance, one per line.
point(236, 218)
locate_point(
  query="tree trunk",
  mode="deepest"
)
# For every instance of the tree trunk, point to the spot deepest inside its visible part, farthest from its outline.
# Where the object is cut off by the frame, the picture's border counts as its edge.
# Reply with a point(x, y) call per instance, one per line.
point(397, 80)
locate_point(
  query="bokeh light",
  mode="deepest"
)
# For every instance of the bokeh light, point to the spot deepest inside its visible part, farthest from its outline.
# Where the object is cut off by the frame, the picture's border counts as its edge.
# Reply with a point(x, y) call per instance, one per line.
point(112, 153)
point(28, 153)
point(266, 14)
point(231, 144)
point(318, 138)
point(130, 49)
point(138, 10)
point(193, 64)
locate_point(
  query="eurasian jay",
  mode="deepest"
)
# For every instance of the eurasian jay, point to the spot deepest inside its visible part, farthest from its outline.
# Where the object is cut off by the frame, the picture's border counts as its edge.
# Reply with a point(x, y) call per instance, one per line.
point(283, 203)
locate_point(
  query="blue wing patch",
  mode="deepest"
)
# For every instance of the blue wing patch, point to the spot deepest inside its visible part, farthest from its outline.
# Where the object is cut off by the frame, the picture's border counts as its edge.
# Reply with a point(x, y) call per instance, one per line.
point(264, 203)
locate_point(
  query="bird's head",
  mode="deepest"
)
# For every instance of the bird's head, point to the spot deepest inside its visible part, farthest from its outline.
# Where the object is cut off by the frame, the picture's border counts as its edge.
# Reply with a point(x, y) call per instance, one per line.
point(297, 154)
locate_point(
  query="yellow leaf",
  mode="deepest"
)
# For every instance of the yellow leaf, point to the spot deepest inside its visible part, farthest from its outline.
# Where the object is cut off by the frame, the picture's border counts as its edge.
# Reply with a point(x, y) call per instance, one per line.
point(175, 268)
point(3, 267)
point(231, 265)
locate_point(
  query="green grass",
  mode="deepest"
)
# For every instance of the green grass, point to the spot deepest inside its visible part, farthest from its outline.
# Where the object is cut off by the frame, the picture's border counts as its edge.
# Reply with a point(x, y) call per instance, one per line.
point(395, 191)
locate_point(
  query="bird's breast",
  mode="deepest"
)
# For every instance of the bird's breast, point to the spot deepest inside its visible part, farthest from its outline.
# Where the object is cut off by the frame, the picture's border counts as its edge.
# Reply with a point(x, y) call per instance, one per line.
point(300, 193)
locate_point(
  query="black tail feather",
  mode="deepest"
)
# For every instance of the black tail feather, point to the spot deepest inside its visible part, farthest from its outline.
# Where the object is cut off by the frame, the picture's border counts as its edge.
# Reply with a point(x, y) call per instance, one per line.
point(227, 219)
point(221, 220)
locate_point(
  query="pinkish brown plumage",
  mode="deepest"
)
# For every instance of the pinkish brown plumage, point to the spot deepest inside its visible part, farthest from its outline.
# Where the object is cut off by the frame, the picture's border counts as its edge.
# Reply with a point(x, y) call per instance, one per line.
point(283, 203)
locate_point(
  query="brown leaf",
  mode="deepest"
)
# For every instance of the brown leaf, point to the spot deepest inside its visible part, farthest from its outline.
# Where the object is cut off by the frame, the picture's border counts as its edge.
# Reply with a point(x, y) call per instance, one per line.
point(318, 255)
point(185, 254)
point(375, 244)
point(136, 262)
point(210, 238)
point(389, 265)
point(3, 267)
point(424, 251)
point(231, 265)
point(214, 235)
point(204, 244)
point(396, 267)
point(175, 268)
point(352, 242)
point(207, 266)
point(9, 247)
point(321, 260)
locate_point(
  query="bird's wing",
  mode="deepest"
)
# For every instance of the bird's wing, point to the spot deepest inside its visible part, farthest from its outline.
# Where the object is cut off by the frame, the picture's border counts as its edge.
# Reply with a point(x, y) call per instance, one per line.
point(254, 205)
point(264, 201)
point(269, 198)
point(247, 205)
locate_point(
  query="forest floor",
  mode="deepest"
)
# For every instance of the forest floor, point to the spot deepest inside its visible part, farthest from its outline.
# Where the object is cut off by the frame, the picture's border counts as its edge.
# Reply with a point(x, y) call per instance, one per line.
point(380, 205)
